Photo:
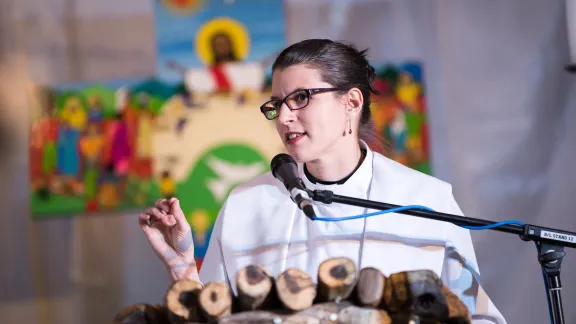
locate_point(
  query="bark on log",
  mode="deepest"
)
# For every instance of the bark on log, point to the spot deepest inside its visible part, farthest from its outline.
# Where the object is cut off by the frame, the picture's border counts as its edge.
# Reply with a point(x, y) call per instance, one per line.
point(296, 289)
point(142, 314)
point(403, 318)
point(457, 310)
point(336, 279)
point(369, 290)
point(342, 313)
point(255, 317)
point(363, 315)
point(416, 292)
point(181, 301)
point(215, 300)
point(339, 312)
point(256, 289)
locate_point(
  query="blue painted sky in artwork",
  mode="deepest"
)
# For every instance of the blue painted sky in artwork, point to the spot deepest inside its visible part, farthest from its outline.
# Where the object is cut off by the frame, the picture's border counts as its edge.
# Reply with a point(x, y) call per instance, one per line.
point(264, 20)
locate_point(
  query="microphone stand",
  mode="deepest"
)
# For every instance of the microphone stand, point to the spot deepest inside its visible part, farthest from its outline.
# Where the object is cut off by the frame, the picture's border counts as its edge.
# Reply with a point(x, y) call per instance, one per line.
point(550, 242)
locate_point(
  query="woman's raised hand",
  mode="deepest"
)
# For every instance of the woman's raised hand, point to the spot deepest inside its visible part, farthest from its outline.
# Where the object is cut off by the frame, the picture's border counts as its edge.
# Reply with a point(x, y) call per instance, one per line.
point(170, 236)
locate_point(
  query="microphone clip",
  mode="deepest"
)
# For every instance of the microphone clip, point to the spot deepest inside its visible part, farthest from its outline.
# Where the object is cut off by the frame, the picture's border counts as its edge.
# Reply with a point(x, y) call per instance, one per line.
point(302, 198)
point(323, 196)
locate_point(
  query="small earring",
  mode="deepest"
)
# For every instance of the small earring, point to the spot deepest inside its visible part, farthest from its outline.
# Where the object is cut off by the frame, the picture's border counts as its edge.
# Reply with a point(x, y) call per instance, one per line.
point(350, 125)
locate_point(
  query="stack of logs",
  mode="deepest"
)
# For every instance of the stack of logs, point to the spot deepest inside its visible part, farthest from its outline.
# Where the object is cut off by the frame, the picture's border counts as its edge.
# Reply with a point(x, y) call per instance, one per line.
point(341, 295)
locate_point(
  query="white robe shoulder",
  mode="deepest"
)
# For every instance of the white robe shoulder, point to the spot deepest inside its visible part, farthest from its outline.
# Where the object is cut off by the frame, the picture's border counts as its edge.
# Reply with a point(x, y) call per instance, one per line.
point(410, 187)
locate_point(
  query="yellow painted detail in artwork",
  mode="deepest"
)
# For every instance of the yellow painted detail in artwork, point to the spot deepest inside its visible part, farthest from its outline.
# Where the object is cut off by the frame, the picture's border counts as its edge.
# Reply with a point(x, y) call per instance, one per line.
point(234, 30)
point(200, 222)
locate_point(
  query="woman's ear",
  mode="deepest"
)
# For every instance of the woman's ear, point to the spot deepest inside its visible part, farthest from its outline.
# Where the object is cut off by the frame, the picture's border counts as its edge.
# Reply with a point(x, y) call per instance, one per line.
point(355, 101)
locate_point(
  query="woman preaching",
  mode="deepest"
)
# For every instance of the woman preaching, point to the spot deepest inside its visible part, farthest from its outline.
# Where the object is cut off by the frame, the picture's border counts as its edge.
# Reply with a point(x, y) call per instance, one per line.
point(320, 103)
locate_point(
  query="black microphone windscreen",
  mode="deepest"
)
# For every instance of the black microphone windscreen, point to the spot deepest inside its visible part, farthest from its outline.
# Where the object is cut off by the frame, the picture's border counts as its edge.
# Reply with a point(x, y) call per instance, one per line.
point(280, 159)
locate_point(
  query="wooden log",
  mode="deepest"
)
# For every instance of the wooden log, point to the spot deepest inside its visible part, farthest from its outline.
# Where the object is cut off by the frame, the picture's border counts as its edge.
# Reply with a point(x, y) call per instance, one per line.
point(341, 312)
point(181, 301)
point(215, 300)
point(255, 317)
point(406, 318)
point(363, 315)
point(141, 314)
point(316, 314)
point(319, 313)
point(369, 290)
point(256, 289)
point(296, 289)
point(336, 279)
point(418, 293)
point(458, 313)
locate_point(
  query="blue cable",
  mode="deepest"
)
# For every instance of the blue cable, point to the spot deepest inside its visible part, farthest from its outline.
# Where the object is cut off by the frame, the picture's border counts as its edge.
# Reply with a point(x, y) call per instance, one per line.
point(477, 228)
point(393, 210)
point(507, 222)
point(398, 209)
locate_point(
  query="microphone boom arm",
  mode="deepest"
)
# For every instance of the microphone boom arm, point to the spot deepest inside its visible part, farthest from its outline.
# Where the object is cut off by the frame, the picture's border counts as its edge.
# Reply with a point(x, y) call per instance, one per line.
point(527, 232)
point(550, 242)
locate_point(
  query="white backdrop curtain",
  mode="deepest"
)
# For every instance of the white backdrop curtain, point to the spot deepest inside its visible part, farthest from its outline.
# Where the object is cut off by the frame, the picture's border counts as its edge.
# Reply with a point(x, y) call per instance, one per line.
point(500, 106)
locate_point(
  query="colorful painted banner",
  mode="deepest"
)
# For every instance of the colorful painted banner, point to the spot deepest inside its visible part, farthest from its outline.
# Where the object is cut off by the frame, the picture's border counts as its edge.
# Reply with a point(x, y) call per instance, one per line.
point(91, 147)
point(194, 131)
point(212, 136)
point(400, 115)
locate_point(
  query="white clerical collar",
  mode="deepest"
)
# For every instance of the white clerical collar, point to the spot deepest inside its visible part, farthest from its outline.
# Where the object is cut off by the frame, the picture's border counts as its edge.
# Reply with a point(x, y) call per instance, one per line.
point(359, 182)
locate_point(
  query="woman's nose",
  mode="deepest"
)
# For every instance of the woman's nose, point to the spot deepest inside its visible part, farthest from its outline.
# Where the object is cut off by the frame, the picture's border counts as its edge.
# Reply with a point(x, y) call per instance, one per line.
point(285, 114)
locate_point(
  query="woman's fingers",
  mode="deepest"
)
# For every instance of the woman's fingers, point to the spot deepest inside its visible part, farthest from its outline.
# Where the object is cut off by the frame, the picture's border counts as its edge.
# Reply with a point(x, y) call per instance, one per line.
point(144, 220)
point(162, 205)
point(155, 212)
point(156, 215)
point(179, 216)
point(154, 236)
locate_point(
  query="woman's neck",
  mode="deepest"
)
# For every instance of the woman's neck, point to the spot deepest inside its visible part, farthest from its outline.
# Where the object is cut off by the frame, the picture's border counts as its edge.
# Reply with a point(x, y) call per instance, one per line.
point(337, 165)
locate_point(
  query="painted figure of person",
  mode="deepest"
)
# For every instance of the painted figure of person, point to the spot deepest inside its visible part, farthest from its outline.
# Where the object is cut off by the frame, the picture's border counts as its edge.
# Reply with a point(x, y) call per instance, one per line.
point(91, 146)
point(223, 49)
point(73, 119)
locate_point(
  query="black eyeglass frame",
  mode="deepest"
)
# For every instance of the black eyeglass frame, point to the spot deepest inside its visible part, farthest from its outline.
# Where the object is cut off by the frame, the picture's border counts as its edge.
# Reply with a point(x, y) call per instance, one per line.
point(309, 93)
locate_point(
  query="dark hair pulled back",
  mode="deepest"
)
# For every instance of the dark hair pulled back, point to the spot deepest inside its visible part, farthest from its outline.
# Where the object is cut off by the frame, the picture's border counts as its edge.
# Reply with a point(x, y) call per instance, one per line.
point(341, 65)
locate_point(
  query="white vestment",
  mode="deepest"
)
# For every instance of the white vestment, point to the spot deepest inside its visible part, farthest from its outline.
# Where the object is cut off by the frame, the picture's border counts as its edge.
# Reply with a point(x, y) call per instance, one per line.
point(260, 224)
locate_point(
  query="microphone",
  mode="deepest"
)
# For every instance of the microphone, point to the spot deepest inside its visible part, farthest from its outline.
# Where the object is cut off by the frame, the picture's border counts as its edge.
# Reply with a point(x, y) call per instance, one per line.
point(285, 169)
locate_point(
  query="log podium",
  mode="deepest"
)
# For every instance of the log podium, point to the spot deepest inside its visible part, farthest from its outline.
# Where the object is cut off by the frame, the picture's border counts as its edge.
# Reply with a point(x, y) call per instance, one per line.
point(341, 294)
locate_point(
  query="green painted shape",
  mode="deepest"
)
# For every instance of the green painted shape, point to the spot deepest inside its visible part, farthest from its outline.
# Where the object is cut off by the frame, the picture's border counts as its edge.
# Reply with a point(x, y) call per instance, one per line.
point(414, 122)
point(90, 182)
point(63, 206)
point(56, 206)
point(155, 88)
point(423, 167)
point(194, 193)
point(107, 98)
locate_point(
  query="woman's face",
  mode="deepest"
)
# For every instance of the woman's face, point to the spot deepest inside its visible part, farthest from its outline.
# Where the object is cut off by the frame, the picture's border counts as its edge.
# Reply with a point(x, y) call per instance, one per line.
point(315, 130)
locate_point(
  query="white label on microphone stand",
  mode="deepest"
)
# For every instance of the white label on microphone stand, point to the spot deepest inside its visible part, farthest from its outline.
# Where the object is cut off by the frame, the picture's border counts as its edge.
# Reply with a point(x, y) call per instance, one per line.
point(558, 237)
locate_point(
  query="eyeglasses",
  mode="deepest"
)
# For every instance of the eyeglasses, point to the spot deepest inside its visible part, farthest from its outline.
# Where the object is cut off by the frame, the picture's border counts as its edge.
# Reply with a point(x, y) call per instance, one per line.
point(296, 100)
